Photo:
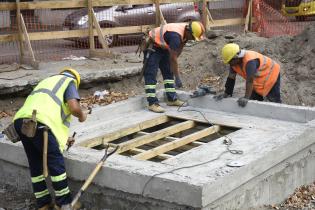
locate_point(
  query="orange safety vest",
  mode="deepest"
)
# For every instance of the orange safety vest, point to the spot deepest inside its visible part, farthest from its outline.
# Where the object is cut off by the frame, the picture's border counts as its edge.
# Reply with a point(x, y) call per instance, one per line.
point(157, 34)
point(266, 75)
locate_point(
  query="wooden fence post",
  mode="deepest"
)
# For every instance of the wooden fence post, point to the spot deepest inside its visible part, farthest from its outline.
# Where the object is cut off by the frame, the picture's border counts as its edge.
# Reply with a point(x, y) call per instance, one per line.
point(204, 18)
point(93, 23)
point(251, 15)
point(159, 18)
point(91, 28)
point(31, 59)
point(20, 34)
point(24, 37)
point(248, 19)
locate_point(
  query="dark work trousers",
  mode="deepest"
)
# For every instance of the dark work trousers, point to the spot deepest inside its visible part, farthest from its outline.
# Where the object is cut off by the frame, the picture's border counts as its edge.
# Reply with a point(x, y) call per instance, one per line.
point(34, 151)
point(158, 59)
point(272, 96)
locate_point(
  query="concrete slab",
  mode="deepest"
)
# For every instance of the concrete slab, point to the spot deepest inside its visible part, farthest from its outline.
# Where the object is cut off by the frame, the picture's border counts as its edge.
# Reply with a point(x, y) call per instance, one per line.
point(22, 81)
point(278, 153)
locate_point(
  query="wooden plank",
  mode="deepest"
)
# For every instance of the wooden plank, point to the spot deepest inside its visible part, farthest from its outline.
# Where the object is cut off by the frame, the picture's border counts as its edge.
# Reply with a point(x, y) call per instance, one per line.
point(248, 17)
point(124, 132)
point(200, 120)
point(160, 20)
point(106, 31)
point(170, 139)
point(136, 142)
point(162, 156)
point(82, 3)
point(100, 34)
point(20, 33)
point(209, 15)
point(9, 38)
point(28, 43)
point(177, 143)
point(251, 16)
point(44, 5)
point(164, 141)
point(101, 53)
point(91, 28)
point(76, 33)
point(204, 15)
point(227, 22)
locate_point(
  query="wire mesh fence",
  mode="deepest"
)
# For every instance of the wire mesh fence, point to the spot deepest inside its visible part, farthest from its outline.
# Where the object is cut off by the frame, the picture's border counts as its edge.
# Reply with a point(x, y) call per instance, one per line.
point(60, 33)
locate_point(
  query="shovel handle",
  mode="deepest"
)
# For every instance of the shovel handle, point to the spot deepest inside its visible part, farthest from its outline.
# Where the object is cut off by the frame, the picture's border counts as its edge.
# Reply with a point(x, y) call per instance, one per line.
point(94, 173)
point(45, 148)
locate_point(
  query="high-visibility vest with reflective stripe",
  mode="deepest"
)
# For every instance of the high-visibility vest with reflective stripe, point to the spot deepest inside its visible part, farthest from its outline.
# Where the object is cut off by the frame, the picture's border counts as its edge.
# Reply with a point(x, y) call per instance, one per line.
point(267, 73)
point(48, 100)
point(157, 34)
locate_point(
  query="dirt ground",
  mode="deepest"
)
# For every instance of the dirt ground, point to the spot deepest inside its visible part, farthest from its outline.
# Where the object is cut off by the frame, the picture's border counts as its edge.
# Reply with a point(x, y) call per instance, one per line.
point(201, 63)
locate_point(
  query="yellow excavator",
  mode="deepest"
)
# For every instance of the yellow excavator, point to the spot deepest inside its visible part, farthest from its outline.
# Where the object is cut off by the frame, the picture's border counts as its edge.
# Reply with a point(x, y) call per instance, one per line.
point(300, 9)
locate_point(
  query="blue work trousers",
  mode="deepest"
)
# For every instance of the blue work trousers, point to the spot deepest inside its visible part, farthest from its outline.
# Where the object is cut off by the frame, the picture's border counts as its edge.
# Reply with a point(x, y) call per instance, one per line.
point(272, 96)
point(160, 58)
point(34, 151)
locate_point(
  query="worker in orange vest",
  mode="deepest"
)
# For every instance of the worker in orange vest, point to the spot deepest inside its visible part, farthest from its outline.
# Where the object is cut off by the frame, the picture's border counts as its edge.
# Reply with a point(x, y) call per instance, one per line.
point(262, 75)
point(168, 42)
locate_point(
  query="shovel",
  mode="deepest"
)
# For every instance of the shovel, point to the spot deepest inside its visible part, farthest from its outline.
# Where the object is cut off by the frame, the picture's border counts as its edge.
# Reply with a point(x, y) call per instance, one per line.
point(94, 172)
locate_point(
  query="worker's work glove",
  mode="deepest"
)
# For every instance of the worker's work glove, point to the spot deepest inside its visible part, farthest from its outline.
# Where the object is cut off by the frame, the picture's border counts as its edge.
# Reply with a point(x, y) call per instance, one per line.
point(70, 141)
point(221, 96)
point(178, 82)
point(242, 101)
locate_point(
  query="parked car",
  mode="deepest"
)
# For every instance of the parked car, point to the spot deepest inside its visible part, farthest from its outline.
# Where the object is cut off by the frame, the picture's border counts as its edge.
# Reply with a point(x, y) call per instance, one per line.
point(130, 15)
point(299, 9)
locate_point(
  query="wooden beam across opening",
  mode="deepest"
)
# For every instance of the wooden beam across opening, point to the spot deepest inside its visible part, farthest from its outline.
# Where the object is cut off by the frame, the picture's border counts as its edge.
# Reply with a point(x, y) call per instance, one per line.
point(170, 139)
point(124, 132)
point(136, 142)
point(177, 143)
point(161, 157)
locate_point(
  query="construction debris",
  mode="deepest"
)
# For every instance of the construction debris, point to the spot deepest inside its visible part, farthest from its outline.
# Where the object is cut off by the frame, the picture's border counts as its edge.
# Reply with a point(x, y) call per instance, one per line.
point(103, 98)
point(4, 114)
point(303, 198)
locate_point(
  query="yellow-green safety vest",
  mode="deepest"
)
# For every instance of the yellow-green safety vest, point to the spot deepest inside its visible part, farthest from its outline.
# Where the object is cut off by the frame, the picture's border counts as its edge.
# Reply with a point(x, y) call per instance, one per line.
point(48, 100)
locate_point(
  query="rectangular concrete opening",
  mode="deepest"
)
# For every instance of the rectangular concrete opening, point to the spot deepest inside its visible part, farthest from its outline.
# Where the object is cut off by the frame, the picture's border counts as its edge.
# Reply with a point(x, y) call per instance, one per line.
point(160, 138)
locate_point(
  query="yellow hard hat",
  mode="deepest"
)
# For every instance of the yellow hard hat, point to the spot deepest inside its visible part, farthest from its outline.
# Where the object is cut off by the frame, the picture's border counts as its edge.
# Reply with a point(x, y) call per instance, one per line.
point(197, 30)
point(74, 73)
point(229, 51)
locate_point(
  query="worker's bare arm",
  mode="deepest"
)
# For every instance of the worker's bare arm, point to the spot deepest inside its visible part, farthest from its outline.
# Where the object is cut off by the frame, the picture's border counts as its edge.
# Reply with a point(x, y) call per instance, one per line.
point(249, 86)
point(76, 110)
point(174, 62)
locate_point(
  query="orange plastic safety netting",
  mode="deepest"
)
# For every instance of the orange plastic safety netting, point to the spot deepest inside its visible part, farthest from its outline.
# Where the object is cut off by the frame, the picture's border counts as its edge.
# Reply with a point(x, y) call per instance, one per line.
point(270, 21)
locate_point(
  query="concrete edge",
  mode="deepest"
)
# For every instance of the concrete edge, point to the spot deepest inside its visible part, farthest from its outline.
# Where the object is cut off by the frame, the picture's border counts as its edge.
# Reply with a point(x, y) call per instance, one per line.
point(270, 110)
point(215, 191)
point(81, 161)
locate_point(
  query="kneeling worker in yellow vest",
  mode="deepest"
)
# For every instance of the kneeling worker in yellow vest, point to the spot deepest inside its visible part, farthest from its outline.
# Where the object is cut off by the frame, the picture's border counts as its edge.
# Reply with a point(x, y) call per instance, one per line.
point(168, 42)
point(55, 99)
point(262, 75)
